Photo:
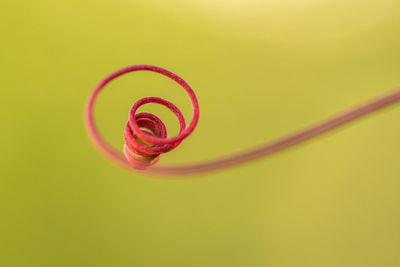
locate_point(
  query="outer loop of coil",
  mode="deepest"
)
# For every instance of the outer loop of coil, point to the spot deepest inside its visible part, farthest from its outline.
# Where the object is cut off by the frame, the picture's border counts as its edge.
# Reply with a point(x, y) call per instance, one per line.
point(145, 134)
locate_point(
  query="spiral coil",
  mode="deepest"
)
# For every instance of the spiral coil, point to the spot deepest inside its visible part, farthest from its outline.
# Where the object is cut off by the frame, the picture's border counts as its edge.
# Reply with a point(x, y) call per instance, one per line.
point(145, 134)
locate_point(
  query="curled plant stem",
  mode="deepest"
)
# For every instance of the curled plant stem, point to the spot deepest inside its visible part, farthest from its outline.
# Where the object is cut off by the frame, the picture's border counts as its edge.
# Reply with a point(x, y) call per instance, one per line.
point(161, 144)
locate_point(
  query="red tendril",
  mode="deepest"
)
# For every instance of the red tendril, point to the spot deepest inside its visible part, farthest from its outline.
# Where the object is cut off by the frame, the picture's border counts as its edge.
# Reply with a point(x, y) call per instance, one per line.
point(146, 138)
point(145, 134)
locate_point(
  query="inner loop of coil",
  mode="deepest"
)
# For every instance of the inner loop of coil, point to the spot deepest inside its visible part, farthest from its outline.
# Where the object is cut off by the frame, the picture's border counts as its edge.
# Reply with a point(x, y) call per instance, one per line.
point(138, 149)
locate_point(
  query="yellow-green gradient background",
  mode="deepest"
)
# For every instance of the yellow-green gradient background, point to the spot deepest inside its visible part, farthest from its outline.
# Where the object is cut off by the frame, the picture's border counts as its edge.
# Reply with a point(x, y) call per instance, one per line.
point(266, 67)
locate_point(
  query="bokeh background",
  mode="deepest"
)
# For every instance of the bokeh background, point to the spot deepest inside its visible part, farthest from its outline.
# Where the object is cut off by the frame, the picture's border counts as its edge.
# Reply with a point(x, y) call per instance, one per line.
point(260, 69)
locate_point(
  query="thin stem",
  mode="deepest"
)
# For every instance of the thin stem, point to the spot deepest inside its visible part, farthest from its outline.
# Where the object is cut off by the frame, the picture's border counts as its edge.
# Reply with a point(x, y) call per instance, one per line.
point(281, 143)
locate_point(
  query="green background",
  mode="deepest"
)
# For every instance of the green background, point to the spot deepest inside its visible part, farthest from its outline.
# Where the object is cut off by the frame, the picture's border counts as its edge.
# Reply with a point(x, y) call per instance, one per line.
point(260, 69)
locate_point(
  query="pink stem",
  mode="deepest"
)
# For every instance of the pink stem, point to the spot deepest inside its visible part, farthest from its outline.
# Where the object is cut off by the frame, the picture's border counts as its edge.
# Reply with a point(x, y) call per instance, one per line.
point(242, 157)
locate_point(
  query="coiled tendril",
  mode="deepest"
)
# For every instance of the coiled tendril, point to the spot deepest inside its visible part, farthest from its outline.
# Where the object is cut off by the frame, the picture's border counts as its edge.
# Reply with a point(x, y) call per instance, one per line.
point(146, 136)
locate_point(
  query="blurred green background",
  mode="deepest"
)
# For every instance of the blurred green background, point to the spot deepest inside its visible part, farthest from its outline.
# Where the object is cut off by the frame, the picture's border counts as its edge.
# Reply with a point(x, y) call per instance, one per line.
point(269, 67)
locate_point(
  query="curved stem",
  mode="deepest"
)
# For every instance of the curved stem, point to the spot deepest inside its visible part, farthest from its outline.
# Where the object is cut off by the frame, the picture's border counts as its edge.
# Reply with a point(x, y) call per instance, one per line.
point(281, 143)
